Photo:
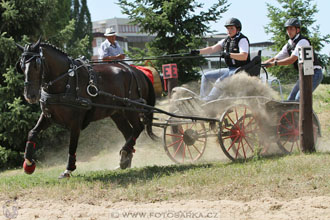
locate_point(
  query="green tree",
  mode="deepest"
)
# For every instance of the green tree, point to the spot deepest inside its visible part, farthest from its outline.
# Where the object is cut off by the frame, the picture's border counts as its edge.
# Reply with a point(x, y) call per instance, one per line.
point(16, 116)
point(23, 22)
point(82, 32)
point(57, 20)
point(304, 10)
point(177, 27)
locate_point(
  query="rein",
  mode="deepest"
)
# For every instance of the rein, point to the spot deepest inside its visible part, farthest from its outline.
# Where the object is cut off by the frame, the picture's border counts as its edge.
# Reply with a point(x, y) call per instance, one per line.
point(71, 72)
point(70, 99)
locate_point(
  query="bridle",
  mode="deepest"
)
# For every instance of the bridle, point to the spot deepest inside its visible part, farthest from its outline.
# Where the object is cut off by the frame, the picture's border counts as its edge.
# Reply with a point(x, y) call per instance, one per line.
point(33, 55)
point(40, 60)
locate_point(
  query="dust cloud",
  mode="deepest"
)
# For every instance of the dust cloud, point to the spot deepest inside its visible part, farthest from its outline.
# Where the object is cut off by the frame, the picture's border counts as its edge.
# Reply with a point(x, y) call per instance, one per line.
point(99, 146)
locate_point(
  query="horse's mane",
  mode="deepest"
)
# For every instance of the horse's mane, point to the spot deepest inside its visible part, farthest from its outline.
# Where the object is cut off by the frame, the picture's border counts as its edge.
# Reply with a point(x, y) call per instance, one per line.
point(46, 44)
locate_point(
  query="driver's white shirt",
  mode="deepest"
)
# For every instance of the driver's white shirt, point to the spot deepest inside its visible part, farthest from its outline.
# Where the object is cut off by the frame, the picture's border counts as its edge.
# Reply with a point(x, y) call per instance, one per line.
point(284, 52)
point(243, 45)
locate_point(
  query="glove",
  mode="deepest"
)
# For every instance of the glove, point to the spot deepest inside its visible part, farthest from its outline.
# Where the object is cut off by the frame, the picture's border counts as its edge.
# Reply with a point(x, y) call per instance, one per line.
point(266, 65)
point(194, 52)
point(225, 55)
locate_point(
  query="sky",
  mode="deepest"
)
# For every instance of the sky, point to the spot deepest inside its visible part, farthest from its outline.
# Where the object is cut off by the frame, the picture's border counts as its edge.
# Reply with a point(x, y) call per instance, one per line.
point(251, 13)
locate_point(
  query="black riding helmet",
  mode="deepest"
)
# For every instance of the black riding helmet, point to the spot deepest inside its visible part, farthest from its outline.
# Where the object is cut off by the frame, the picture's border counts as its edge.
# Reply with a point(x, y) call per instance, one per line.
point(234, 22)
point(292, 22)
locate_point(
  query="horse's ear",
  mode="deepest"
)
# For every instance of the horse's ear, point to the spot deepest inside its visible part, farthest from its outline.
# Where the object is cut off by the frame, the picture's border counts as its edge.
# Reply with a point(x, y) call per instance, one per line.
point(20, 47)
point(18, 67)
point(36, 45)
point(38, 42)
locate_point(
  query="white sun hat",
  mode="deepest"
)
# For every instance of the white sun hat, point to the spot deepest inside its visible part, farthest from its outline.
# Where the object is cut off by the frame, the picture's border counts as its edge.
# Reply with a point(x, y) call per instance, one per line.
point(109, 32)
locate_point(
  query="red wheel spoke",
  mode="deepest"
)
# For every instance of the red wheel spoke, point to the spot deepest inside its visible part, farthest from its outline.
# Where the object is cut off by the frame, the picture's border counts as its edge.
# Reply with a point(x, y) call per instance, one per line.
point(232, 143)
point(285, 117)
point(233, 123)
point(236, 114)
point(191, 157)
point(181, 130)
point(203, 141)
point(292, 137)
point(175, 135)
point(178, 148)
point(196, 149)
point(250, 131)
point(287, 134)
point(251, 121)
point(283, 126)
point(292, 146)
point(231, 136)
point(180, 140)
point(243, 148)
point(184, 152)
point(228, 128)
point(239, 142)
point(293, 121)
point(248, 144)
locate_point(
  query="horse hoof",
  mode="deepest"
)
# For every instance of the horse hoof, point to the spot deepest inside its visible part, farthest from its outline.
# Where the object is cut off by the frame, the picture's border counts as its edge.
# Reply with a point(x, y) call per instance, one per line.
point(29, 169)
point(125, 159)
point(65, 175)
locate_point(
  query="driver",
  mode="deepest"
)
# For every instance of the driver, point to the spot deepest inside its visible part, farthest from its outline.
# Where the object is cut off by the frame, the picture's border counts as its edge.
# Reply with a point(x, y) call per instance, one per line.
point(110, 48)
point(235, 49)
point(289, 55)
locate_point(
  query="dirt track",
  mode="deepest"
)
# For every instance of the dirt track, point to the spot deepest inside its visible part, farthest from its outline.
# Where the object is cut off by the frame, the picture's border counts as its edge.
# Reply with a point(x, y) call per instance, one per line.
point(264, 208)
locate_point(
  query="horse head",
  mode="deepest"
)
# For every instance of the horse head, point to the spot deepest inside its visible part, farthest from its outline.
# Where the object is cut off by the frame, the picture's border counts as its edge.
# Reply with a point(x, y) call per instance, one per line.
point(31, 65)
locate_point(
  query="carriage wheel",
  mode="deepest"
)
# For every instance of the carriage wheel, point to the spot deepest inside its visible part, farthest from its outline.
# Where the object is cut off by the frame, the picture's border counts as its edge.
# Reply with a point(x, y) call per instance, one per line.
point(184, 141)
point(238, 136)
point(288, 131)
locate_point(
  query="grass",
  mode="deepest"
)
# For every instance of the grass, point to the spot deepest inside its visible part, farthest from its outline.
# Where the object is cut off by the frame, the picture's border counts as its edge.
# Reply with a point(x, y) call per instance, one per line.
point(285, 177)
point(281, 177)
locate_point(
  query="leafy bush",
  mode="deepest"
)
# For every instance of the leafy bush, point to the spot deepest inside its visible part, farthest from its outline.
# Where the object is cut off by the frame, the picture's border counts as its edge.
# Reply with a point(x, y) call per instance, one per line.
point(326, 79)
point(9, 158)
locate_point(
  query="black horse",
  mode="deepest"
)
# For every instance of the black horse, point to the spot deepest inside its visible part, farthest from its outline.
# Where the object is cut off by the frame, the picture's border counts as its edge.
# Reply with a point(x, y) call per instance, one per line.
point(73, 93)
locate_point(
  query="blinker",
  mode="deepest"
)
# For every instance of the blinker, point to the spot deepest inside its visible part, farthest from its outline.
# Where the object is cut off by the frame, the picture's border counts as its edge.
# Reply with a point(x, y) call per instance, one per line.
point(38, 60)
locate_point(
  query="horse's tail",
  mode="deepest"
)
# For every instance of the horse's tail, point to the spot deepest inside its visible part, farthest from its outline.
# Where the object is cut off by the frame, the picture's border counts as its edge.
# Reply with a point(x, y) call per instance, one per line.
point(151, 100)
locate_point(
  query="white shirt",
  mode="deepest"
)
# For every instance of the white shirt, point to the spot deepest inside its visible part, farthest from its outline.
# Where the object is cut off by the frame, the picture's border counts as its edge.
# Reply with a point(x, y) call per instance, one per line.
point(243, 45)
point(284, 51)
point(107, 49)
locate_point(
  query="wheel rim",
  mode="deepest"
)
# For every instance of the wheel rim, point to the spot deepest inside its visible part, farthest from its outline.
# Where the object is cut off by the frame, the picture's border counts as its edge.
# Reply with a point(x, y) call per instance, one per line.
point(185, 142)
point(288, 131)
point(238, 134)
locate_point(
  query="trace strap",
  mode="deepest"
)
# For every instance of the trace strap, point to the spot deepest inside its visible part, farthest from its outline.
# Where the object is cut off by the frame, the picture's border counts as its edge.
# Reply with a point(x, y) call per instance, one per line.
point(71, 72)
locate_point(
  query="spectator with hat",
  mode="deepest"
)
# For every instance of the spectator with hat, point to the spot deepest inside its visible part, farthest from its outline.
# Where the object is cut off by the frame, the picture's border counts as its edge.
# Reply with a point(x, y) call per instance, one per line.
point(110, 48)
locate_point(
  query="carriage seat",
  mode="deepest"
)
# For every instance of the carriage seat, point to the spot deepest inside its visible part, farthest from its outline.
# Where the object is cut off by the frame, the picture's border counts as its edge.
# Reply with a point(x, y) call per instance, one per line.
point(253, 67)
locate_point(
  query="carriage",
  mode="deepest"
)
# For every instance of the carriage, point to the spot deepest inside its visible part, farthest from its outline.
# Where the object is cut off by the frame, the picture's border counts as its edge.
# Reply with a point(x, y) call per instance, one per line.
point(243, 130)
point(245, 126)
point(74, 93)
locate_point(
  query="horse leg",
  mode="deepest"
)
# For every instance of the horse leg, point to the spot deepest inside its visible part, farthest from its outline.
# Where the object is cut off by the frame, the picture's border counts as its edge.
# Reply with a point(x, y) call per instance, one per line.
point(126, 153)
point(137, 128)
point(29, 164)
point(71, 164)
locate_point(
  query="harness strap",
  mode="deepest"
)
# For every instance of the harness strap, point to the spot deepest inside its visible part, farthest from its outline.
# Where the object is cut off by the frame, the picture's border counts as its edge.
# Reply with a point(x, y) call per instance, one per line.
point(133, 75)
point(72, 71)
